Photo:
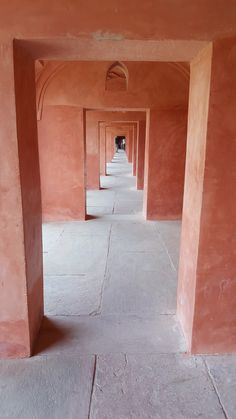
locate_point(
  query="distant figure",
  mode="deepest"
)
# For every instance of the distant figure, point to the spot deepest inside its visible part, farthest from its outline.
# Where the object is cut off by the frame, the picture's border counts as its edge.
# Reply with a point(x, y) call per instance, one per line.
point(120, 143)
point(117, 141)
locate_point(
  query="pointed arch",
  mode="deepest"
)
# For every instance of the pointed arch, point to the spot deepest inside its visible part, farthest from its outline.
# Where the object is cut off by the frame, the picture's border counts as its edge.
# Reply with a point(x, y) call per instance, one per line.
point(117, 77)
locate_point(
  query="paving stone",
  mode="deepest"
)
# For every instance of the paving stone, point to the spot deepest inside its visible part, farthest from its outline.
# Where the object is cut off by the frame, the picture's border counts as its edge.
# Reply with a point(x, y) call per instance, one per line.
point(90, 227)
point(76, 255)
point(135, 236)
point(55, 387)
point(100, 210)
point(110, 334)
point(144, 292)
point(51, 232)
point(72, 294)
point(128, 207)
point(129, 195)
point(151, 386)
point(135, 261)
point(222, 369)
point(170, 232)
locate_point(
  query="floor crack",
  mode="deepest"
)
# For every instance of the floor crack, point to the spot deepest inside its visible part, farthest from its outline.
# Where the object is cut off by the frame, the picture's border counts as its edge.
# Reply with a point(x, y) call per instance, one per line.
point(92, 386)
point(99, 309)
point(215, 388)
point(167, 251)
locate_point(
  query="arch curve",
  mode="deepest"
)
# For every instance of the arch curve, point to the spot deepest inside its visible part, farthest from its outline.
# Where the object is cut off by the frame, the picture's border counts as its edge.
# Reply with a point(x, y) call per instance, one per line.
point(117, 77)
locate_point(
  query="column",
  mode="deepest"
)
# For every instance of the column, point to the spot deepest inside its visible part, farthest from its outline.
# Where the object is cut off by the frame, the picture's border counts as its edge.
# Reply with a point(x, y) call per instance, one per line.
point(102, 144)
point(207, 280)
point(140, 154)
point(129, 144)
point(92, 154)
point(134, 158)
point(21, 296)
point(110, 145)
point(165, 163)
point(62, 163)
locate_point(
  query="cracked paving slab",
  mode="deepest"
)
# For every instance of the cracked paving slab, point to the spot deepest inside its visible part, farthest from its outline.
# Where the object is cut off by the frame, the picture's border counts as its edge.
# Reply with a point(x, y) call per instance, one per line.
point(151, 386)
point(57, 387)
point(110, 334)
point(222, 369)
point(72, 294)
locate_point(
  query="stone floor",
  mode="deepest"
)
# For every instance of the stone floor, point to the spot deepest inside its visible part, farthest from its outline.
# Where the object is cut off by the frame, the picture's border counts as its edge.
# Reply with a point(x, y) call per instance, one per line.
point(110, 346)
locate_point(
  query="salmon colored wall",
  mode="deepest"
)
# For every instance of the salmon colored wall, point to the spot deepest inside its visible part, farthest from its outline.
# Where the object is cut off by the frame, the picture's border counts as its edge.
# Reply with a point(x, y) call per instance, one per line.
point(111, 20)
point(21, 303)
point(92, 154)
point(134, 158)
point(207, 287)
point(195, 161)
point(151, 84)
point(30, 186)
point(62, 160)
point(166, 150)
point(110, 148)
point(140, 154)
point(102, 148)
point(129, 144)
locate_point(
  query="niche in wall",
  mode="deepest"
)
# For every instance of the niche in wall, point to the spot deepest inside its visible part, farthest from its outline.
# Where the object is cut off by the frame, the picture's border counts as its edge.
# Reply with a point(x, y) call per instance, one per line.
point(117, 77)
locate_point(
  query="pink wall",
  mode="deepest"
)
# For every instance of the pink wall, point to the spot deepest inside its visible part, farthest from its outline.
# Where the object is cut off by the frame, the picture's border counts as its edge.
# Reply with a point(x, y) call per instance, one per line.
point(30, 187)
point(102, 148)
point(92, 154)
point(110, 147)
point(21, 303)
point(151, 84)
point(207, 286)
point(135, 139)
point(165, 165)
point(155, 21)
point(129, 144)
point(61, 150)
point(140, 154)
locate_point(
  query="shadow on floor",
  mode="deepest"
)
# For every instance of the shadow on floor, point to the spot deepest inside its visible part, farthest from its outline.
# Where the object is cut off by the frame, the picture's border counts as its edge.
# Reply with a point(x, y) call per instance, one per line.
point(90, 217)
point(49, 335)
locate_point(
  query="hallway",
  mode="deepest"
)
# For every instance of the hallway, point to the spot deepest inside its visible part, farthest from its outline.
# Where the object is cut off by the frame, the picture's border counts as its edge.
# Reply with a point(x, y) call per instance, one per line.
point(110, 346)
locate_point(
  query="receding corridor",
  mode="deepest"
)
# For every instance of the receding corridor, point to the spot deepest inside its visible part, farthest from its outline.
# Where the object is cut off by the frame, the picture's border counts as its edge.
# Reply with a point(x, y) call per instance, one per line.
point(110, 346)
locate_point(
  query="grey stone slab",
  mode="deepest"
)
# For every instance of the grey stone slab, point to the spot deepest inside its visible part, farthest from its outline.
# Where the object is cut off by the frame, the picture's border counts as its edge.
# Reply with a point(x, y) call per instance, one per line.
point(129, 195)
point(170, 232)
point(101, 193)
point(139, 282)
point(135, 236)
point(140, 292)
point(99, 210)
point(110, 334)
point(51, 232)
point(77, 255)
point(126, 261)
point(90, 227)
point(116, 218)
point(72, 295)
point(100, 202)
point(128, 207)
point(222, 369)
point(153, 387)
point(56, 387)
